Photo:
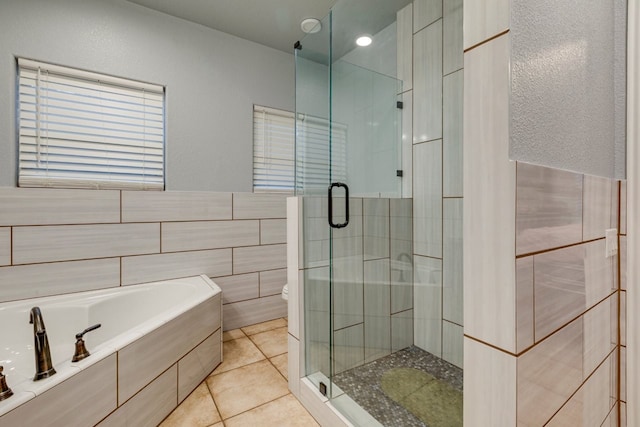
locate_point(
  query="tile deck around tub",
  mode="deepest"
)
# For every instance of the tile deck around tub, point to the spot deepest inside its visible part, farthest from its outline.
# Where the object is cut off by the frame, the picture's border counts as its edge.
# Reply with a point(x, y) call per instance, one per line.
point(249, 387)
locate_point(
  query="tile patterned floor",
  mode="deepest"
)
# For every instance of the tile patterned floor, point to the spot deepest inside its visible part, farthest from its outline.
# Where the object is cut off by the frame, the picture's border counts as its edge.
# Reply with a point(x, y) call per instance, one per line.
point(249, 388)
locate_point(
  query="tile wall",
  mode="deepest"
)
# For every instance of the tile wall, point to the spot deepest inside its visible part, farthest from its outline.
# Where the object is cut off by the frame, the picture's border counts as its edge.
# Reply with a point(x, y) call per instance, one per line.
point(542, 300)
point(430, 63)
point(55, 241)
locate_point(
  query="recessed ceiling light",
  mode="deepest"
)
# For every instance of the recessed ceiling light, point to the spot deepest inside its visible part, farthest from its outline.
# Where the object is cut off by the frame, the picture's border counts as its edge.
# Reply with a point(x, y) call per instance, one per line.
point(311, 25)
point(364, 40)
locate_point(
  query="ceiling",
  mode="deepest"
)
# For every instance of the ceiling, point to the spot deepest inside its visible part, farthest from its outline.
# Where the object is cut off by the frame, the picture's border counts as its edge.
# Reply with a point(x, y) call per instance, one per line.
point(274, 23)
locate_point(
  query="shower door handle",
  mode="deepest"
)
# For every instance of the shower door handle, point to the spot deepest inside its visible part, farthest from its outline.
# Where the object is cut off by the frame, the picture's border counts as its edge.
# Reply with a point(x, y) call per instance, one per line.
point(346, 205)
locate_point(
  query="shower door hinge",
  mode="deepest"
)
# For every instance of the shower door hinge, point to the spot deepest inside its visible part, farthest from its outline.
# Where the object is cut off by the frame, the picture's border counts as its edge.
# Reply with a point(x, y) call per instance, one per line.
point(323, 388)
point(399, 105)
point(297, 45)
point(399, 173)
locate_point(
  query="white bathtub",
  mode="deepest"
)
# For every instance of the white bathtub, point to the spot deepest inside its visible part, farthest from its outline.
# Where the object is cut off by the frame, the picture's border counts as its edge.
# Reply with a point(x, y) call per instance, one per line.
point(145, 325)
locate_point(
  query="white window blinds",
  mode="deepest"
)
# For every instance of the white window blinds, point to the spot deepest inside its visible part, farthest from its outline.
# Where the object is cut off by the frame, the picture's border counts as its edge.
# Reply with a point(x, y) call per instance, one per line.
point(85, 130)
point(274, 152)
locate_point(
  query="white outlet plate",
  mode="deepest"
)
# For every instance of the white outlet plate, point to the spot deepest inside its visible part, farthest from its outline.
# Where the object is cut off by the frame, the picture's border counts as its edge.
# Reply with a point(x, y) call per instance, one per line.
point(611, 242)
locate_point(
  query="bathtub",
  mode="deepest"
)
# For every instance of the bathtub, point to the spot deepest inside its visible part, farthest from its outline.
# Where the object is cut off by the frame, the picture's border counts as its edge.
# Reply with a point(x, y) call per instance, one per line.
point(157, 342)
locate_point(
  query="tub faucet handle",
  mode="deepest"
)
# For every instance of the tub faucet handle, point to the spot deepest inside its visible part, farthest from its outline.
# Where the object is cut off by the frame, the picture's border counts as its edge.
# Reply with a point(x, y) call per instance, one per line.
point(81, 350)
point(5, 391)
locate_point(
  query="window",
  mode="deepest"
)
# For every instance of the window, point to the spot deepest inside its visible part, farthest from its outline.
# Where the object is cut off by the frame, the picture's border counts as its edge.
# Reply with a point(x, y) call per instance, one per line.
point(79, 129)
point(274, 156)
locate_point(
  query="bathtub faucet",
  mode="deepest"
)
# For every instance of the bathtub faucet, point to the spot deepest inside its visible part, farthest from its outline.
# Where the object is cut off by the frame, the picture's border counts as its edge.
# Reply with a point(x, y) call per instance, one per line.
point(44, 367)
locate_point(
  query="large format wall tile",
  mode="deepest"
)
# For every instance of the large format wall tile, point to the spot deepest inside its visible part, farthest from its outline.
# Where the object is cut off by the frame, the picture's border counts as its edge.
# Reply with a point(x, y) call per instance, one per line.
point(567, 282)
point(407, 144)
point(427, 203)
point(452, 262)
point(29, 281)
point(540, 393)
point(401, 234)
point(73, 242)
point(600, 337)
point(425, 12)
point(623, 207)
point(452, 134)
point(259, 258)
point(404, 52)
point(259, 206)
point(348, 296)
point(348, 350)
point(253, 311)
point(427, 312)
point(377, 313)
point(239, 287)
point(196, 235)
point(484, 19)
point(524, 303)
point(376, 228)
point(272, 282)
point(549, 208)
point(623, 262)
point(401, 330)
point(5, 245)
point(452, 343)
point(489, 203)
point(623, 318)
point(600, 206)
point(452, 36)
point(273, 231)
point(153, 206)
point(148, 268)
point(198, 364)
point(47, 206)
point(427, 83)
point(489, 372)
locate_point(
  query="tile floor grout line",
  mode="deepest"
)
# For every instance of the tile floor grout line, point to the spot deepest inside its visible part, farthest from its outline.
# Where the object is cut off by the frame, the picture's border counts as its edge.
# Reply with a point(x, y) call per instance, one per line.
point(262, 404)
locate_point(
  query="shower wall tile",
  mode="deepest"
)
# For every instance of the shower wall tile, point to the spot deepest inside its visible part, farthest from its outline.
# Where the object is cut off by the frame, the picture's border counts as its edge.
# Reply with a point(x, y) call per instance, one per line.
point(489, 203)
point(623, 207)
point(48, 206)
point(427, 83)
point(407, 144)
point(525, 303)
point(376, 228)
point(425, 12)
point(623, 414)
point(452, 134)
point(316, 327)
point(149, 268)
point(273, 231)
point(599, 197)
point(427, 329)
point(427, 202)
point(239, 287)
point(259, 258)
point(484, 19)
point(5, 245)
point(623, 262)
point(155, 206)
point(452, 262)
point(72, 242)
point(259, 206)
point(599, 338)
point(548, 208)
point(567, 282)
point(348, 276)
point(402, 284)
point(452, 343)
point(623, 374)
point(404, 52)
point(452, 36)
point(540, 394)
point(348, 241)
point(623, 318)
point(401, 330)
point(489, 372)
point(348, 348)
point(29, 281)
point(197, 235)
point(591, 404)
point(272, 282)
point(250, 312)
point(377, 313)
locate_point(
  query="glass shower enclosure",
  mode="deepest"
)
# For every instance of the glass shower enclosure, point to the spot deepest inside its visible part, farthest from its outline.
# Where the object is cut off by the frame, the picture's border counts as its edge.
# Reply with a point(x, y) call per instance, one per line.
point(357, 230)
